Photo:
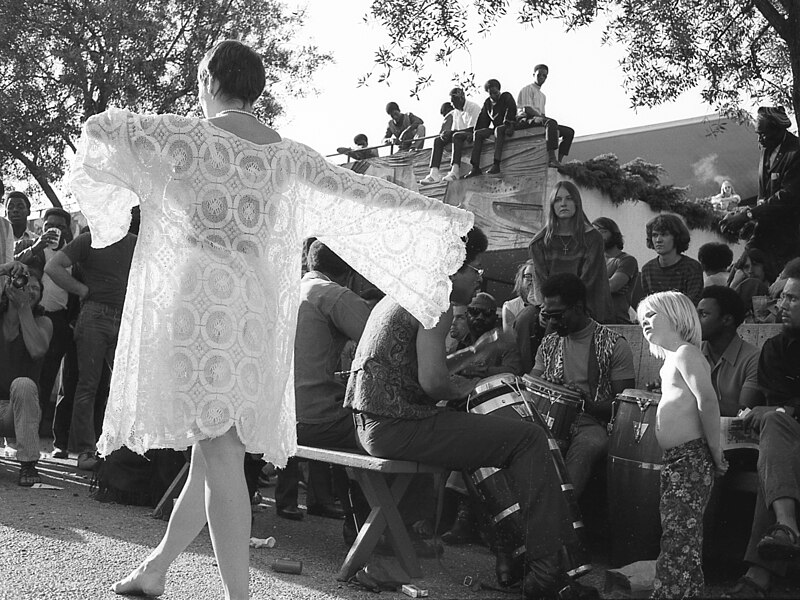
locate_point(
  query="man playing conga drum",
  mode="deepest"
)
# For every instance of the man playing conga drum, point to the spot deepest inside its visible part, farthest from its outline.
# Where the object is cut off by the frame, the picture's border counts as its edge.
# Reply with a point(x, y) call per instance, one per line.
point(586, 356)
point(400, 373)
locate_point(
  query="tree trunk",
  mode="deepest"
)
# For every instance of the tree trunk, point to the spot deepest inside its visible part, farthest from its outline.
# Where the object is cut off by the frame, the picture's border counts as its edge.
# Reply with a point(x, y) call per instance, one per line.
point(39, 176)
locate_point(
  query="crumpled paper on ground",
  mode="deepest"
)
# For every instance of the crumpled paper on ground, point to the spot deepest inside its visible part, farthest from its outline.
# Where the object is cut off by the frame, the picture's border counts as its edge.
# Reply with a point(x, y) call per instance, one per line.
point(262, 542)
point(635, 578)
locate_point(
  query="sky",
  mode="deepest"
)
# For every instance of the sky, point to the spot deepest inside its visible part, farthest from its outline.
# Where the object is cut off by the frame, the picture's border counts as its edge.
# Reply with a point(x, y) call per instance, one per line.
point(584, 88)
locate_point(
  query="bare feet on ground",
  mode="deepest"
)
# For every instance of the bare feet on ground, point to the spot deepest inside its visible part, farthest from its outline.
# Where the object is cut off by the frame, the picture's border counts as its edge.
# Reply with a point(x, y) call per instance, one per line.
point(141, 582)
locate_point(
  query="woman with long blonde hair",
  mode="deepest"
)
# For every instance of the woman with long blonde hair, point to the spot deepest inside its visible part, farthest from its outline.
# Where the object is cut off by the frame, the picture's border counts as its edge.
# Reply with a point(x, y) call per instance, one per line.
point(569, 244)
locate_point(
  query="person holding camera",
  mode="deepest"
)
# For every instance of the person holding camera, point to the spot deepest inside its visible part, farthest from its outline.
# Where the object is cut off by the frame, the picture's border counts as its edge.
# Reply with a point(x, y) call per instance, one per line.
point(24, 342)
point(35, 253)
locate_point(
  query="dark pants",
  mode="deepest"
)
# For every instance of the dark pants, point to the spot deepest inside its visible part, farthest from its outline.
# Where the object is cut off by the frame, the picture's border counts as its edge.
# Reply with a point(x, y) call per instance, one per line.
point(66, 399)
point(459, 441)
point(589, 444)
point(59, 343)
point(499, 134)
point(96, 340)
point(553, 132)
point(686, 481)
point(779, 477)
point(335, 434)
point(459, 139)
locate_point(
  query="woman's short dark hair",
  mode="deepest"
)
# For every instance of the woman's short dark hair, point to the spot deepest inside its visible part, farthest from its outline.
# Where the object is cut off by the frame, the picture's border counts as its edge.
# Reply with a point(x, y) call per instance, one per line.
point(476, 243)
point(611, 226)
point(237, 68)
point(761, 258)
point(322, 258)
point(566, 286)
point(673, 224)
point(728, 300)
point(715, 256)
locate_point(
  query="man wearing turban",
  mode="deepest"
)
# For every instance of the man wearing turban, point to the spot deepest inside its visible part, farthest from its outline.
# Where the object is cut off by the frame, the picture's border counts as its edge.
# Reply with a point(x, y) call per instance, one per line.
point(777, 214)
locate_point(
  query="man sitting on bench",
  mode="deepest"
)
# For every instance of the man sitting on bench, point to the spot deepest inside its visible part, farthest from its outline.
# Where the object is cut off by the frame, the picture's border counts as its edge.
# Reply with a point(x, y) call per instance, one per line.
point(400, 373)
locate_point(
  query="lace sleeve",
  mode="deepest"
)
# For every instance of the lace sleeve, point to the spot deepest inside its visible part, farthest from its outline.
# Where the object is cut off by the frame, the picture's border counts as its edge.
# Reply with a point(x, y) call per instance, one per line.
point(102, 176)
point(405, 243)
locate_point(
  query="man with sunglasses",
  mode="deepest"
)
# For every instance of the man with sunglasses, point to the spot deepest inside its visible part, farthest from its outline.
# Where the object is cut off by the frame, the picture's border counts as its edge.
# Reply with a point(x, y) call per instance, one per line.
point(489, 358)
point(587, 357)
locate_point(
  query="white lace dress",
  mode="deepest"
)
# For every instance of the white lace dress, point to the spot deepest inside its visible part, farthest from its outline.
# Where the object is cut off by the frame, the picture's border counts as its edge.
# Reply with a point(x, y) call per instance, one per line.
point(207, 332)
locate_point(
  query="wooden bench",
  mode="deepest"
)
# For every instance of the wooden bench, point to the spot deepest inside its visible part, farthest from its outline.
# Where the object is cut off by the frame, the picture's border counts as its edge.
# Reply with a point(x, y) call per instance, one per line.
point(384, 482)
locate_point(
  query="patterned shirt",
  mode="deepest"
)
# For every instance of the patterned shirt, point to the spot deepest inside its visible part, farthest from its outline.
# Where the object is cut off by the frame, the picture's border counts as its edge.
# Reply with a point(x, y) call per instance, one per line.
point(385, 378)
point(685, 276)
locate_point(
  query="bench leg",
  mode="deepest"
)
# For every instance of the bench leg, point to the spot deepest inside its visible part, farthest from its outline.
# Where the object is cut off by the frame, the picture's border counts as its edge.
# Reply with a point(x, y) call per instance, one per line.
point(164, 507)
point(384, 516)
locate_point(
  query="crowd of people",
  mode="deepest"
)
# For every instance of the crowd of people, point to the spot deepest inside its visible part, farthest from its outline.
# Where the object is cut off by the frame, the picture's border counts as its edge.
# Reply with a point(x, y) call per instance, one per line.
point(200, 318)
point(466, 123)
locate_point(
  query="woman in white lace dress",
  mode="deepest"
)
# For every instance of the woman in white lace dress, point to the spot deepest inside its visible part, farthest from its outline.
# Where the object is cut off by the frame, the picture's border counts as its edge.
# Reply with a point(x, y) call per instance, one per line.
point(205, 345)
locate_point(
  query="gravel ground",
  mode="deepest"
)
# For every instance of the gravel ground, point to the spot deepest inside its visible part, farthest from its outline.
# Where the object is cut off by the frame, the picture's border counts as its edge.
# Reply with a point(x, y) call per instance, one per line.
point(63, 545)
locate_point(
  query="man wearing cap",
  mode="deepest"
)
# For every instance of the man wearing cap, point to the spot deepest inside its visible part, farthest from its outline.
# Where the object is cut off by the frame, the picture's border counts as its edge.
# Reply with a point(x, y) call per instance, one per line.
point(493, 353)
point(777, 214)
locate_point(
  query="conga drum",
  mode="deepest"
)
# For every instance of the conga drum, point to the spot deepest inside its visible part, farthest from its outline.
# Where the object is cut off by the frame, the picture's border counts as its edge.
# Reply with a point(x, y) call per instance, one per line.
point(634, 470)
point(507, 395)
point(558, 406)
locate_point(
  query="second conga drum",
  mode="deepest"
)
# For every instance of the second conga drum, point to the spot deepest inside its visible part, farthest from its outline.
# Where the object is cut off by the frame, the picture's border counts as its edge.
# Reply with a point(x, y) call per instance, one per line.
point(634, 470)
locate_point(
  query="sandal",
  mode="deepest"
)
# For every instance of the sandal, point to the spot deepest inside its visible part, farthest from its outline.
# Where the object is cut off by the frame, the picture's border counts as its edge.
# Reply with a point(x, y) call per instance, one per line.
point(28, 475)
point(746, 588)
point(779, 543)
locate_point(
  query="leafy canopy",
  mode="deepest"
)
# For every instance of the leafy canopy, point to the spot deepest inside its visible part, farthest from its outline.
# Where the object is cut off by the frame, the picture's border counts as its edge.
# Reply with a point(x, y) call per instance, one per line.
point(64, 60)
point(734, 50)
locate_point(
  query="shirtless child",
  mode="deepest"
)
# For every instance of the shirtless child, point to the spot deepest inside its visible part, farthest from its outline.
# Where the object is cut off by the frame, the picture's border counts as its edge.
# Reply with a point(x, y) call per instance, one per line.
point(687, 429)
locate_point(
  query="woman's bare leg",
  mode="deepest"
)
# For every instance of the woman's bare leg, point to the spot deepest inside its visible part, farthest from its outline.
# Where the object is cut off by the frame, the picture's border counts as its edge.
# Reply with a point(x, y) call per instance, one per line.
point(228, 510)
point(186, 520)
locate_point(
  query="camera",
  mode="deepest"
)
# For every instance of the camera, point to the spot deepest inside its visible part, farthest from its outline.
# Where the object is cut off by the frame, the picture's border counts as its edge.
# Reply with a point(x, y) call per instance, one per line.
point(20, 281)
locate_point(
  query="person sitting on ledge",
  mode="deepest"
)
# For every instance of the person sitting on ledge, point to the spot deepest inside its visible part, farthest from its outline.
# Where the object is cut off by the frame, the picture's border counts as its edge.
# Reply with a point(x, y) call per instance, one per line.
point(363, 152)
point(497, 118)
point(403, 128)
point(774, 534)
point(530, 113)
point(465, 116)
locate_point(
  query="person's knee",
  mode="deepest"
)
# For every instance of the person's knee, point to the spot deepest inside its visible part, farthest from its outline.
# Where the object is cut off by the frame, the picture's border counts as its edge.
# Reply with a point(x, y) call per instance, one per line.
point(24, 388)
point(223, 451)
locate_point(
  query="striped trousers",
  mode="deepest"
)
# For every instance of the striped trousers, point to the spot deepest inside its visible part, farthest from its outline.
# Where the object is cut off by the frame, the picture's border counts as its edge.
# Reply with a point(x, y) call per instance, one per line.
point(19, 417)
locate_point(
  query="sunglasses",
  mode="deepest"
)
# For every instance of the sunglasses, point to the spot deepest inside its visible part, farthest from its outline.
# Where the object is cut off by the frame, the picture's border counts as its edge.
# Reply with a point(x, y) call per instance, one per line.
point(480, 272)
point(481, 312)
point(555, 315)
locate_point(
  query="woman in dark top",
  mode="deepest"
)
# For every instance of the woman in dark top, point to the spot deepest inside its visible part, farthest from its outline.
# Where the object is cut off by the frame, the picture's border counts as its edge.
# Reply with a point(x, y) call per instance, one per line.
point(569, 244)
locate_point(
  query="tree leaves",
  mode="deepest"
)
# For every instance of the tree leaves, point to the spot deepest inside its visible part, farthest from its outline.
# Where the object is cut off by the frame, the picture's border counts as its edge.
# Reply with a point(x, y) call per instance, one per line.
point(65, 60)
point(736, 50)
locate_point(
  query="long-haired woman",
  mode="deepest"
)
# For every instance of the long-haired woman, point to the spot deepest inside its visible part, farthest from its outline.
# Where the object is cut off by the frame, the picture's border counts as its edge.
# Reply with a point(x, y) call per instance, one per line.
point(569, 244)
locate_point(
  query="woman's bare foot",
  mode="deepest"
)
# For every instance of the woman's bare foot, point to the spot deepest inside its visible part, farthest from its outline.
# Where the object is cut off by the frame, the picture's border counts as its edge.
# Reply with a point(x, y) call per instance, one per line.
point(144, 581)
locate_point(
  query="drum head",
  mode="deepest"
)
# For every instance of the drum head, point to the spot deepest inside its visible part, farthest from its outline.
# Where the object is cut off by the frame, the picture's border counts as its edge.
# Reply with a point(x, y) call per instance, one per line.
point(493, 382)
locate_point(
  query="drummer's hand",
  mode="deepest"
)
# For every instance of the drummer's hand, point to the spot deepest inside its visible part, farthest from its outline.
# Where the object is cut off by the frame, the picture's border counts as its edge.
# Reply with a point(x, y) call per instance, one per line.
point(653, 386)
point(574, 387)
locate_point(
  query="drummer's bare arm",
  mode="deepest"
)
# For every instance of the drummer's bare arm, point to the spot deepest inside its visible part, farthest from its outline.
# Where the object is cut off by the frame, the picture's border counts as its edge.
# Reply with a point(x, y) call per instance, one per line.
point(434, 377)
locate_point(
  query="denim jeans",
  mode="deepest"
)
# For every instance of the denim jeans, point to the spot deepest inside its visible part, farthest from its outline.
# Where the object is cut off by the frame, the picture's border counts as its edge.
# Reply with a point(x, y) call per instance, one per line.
point(59, 343)
point(96, 340)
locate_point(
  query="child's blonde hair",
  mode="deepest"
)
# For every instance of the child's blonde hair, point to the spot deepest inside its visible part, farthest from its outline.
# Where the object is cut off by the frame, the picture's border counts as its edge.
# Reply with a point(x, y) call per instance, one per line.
point(679, 310)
